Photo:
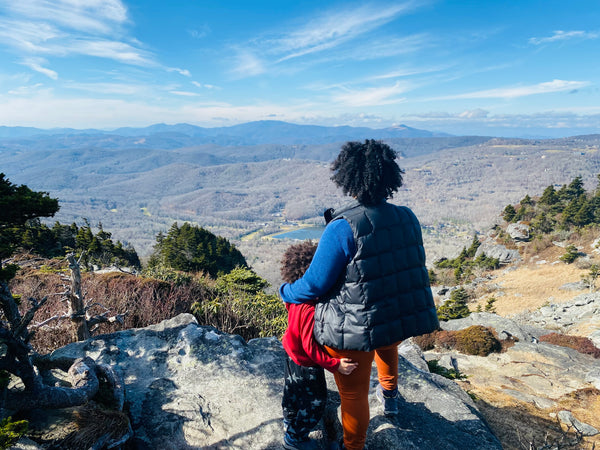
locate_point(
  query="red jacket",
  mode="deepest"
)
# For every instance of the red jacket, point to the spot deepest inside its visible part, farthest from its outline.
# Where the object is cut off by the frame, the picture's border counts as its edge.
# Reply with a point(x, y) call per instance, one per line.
point(298, 340)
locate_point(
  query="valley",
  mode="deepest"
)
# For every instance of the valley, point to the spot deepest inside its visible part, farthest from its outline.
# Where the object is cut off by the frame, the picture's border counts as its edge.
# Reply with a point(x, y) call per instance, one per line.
point(455, 185)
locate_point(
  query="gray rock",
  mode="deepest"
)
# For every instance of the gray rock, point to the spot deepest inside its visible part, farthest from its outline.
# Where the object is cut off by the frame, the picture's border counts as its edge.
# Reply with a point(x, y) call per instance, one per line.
point(25, 443)
point(575, 286)
point(504, 327)
point(518, 231)
point(448, 362)
point(593, 377)
point(500, 252)
point(189, 386)
point(413, 354)
point(567, 418)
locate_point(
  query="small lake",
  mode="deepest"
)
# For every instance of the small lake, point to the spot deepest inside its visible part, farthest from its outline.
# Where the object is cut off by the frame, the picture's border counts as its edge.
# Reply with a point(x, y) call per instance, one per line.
point(301, 234)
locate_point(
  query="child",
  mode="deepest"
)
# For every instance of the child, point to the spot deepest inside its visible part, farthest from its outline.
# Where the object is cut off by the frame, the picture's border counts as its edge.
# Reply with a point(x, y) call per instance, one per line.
point(305, 391)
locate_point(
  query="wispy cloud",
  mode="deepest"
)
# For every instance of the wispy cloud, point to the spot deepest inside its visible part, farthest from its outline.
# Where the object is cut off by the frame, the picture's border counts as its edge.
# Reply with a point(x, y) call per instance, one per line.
point(64, 28)
point(184, 72)
point(200, 32)
point(560, 35)
point(521, 91)
point(204, 86)
point(325, 32)
point(248, 63)
point(36, 64)
point(109, 88)
point(91, 16)
point(335, 28)
point(372, 96)
point(185, 93)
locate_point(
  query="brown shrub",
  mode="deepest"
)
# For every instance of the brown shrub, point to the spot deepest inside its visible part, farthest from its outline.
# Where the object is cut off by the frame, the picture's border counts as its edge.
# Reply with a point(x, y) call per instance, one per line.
point(446, 339)
point(477, 340)
point(474, 340)
point(146, 301)
point(426, 341)
point(581, 344)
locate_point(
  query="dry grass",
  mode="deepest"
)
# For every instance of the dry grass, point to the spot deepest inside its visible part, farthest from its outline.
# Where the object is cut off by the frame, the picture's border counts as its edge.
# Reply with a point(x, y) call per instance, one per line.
point(531, 285)
point(518, 424)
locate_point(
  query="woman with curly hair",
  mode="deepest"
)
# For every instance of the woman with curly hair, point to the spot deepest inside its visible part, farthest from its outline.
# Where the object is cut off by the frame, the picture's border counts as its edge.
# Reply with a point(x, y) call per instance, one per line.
point(370, 277)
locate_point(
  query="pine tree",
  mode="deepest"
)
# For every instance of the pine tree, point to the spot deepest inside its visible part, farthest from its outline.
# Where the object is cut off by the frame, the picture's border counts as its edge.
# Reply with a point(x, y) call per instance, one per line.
point(509, 213)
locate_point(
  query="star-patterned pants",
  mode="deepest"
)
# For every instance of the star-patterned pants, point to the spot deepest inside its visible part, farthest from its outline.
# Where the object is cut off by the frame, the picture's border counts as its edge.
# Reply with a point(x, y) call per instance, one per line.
point(304, 398)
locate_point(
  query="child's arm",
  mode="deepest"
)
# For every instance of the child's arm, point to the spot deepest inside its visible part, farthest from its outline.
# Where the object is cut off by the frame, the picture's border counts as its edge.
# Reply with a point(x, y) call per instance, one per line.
point(316, 353)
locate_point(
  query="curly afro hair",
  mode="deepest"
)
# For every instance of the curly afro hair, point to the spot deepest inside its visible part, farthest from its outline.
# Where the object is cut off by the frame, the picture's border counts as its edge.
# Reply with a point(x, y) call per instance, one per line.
point(296, 260)
point(367, 171)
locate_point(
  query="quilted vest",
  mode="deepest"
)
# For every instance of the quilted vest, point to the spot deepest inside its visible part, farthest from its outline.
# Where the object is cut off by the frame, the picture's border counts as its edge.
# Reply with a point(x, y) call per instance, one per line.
point(384, 295)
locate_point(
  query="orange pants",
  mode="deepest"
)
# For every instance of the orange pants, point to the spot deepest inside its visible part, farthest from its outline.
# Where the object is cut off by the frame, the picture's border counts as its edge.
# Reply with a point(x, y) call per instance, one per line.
point(354, 388)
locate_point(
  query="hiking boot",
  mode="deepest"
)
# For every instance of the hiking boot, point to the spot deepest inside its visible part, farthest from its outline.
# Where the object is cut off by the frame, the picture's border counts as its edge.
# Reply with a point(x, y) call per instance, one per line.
point(289, 443)
point(390, 403)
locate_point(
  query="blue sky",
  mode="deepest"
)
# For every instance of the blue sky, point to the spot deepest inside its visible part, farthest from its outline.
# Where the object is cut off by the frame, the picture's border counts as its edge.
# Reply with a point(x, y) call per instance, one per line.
point(505, 68)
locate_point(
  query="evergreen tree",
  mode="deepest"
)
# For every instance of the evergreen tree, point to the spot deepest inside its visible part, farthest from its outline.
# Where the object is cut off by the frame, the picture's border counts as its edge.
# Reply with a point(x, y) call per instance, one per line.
point(509, 213)
point(526, 201)
point(549, 197)
point(18, 205)
point(193, 249)
point(575, 189)
point(456, 307)
point(473, 248)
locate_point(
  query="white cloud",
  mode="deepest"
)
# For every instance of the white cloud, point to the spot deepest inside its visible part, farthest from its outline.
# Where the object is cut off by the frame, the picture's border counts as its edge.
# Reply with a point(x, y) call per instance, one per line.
point(185, 93)
point(474, 114)
point(199, 33)
point(184, 72)
point(560, 35)
point(248, 64)
point(36, 64)
point(26, 90)
point(373, 96)
point(96, 16)
point(70, 27)
point(521, 91)
point(119, 51)
point(204, 86)
point(110, 88)
point(334, 28)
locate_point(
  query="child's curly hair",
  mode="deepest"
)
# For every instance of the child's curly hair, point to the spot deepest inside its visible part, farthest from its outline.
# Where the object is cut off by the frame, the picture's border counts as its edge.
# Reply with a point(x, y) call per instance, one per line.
point(296, 260)
point(367, 171)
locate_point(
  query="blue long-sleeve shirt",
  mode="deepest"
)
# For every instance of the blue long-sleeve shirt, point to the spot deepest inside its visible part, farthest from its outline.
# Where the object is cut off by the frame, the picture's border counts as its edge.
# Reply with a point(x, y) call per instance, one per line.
point(335, 250)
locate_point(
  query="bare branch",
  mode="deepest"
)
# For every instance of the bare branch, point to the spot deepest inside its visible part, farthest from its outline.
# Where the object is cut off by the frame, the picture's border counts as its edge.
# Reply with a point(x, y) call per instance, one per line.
point(35, 305)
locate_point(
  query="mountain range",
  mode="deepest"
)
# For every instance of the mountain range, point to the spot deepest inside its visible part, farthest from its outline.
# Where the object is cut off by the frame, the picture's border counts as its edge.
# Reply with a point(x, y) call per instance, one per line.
point(183, 134)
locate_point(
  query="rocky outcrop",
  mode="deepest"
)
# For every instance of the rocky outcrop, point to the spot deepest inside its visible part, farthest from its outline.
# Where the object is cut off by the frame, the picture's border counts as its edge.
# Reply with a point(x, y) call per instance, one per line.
point(530, 371)
point(518, 231)
point(498, 251)
point(579, 316)
point(189, 386)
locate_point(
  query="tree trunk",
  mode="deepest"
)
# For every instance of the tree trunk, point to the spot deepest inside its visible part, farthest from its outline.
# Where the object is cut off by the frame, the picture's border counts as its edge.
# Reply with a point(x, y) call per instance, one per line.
point(83, 379)
point(76, 306)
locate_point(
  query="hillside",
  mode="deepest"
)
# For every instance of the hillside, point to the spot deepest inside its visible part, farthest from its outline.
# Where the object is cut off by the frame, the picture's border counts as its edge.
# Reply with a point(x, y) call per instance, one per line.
point(455, 185)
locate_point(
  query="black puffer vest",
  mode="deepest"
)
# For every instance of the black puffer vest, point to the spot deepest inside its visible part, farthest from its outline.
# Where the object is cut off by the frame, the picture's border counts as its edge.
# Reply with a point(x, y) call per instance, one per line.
point(384, 295)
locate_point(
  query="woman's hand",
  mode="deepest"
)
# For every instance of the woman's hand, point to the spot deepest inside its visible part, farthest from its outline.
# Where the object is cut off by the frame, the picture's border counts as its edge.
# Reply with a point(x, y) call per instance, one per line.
point(347, 366)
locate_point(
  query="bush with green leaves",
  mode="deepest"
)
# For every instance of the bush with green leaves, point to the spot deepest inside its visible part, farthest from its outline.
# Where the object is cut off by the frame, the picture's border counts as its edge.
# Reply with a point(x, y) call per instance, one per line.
point(241, 306)
point(590, 278)
point(451, 374)
point(11, 431)
point(466, 261)
point(570, 255)
point(456, 307)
